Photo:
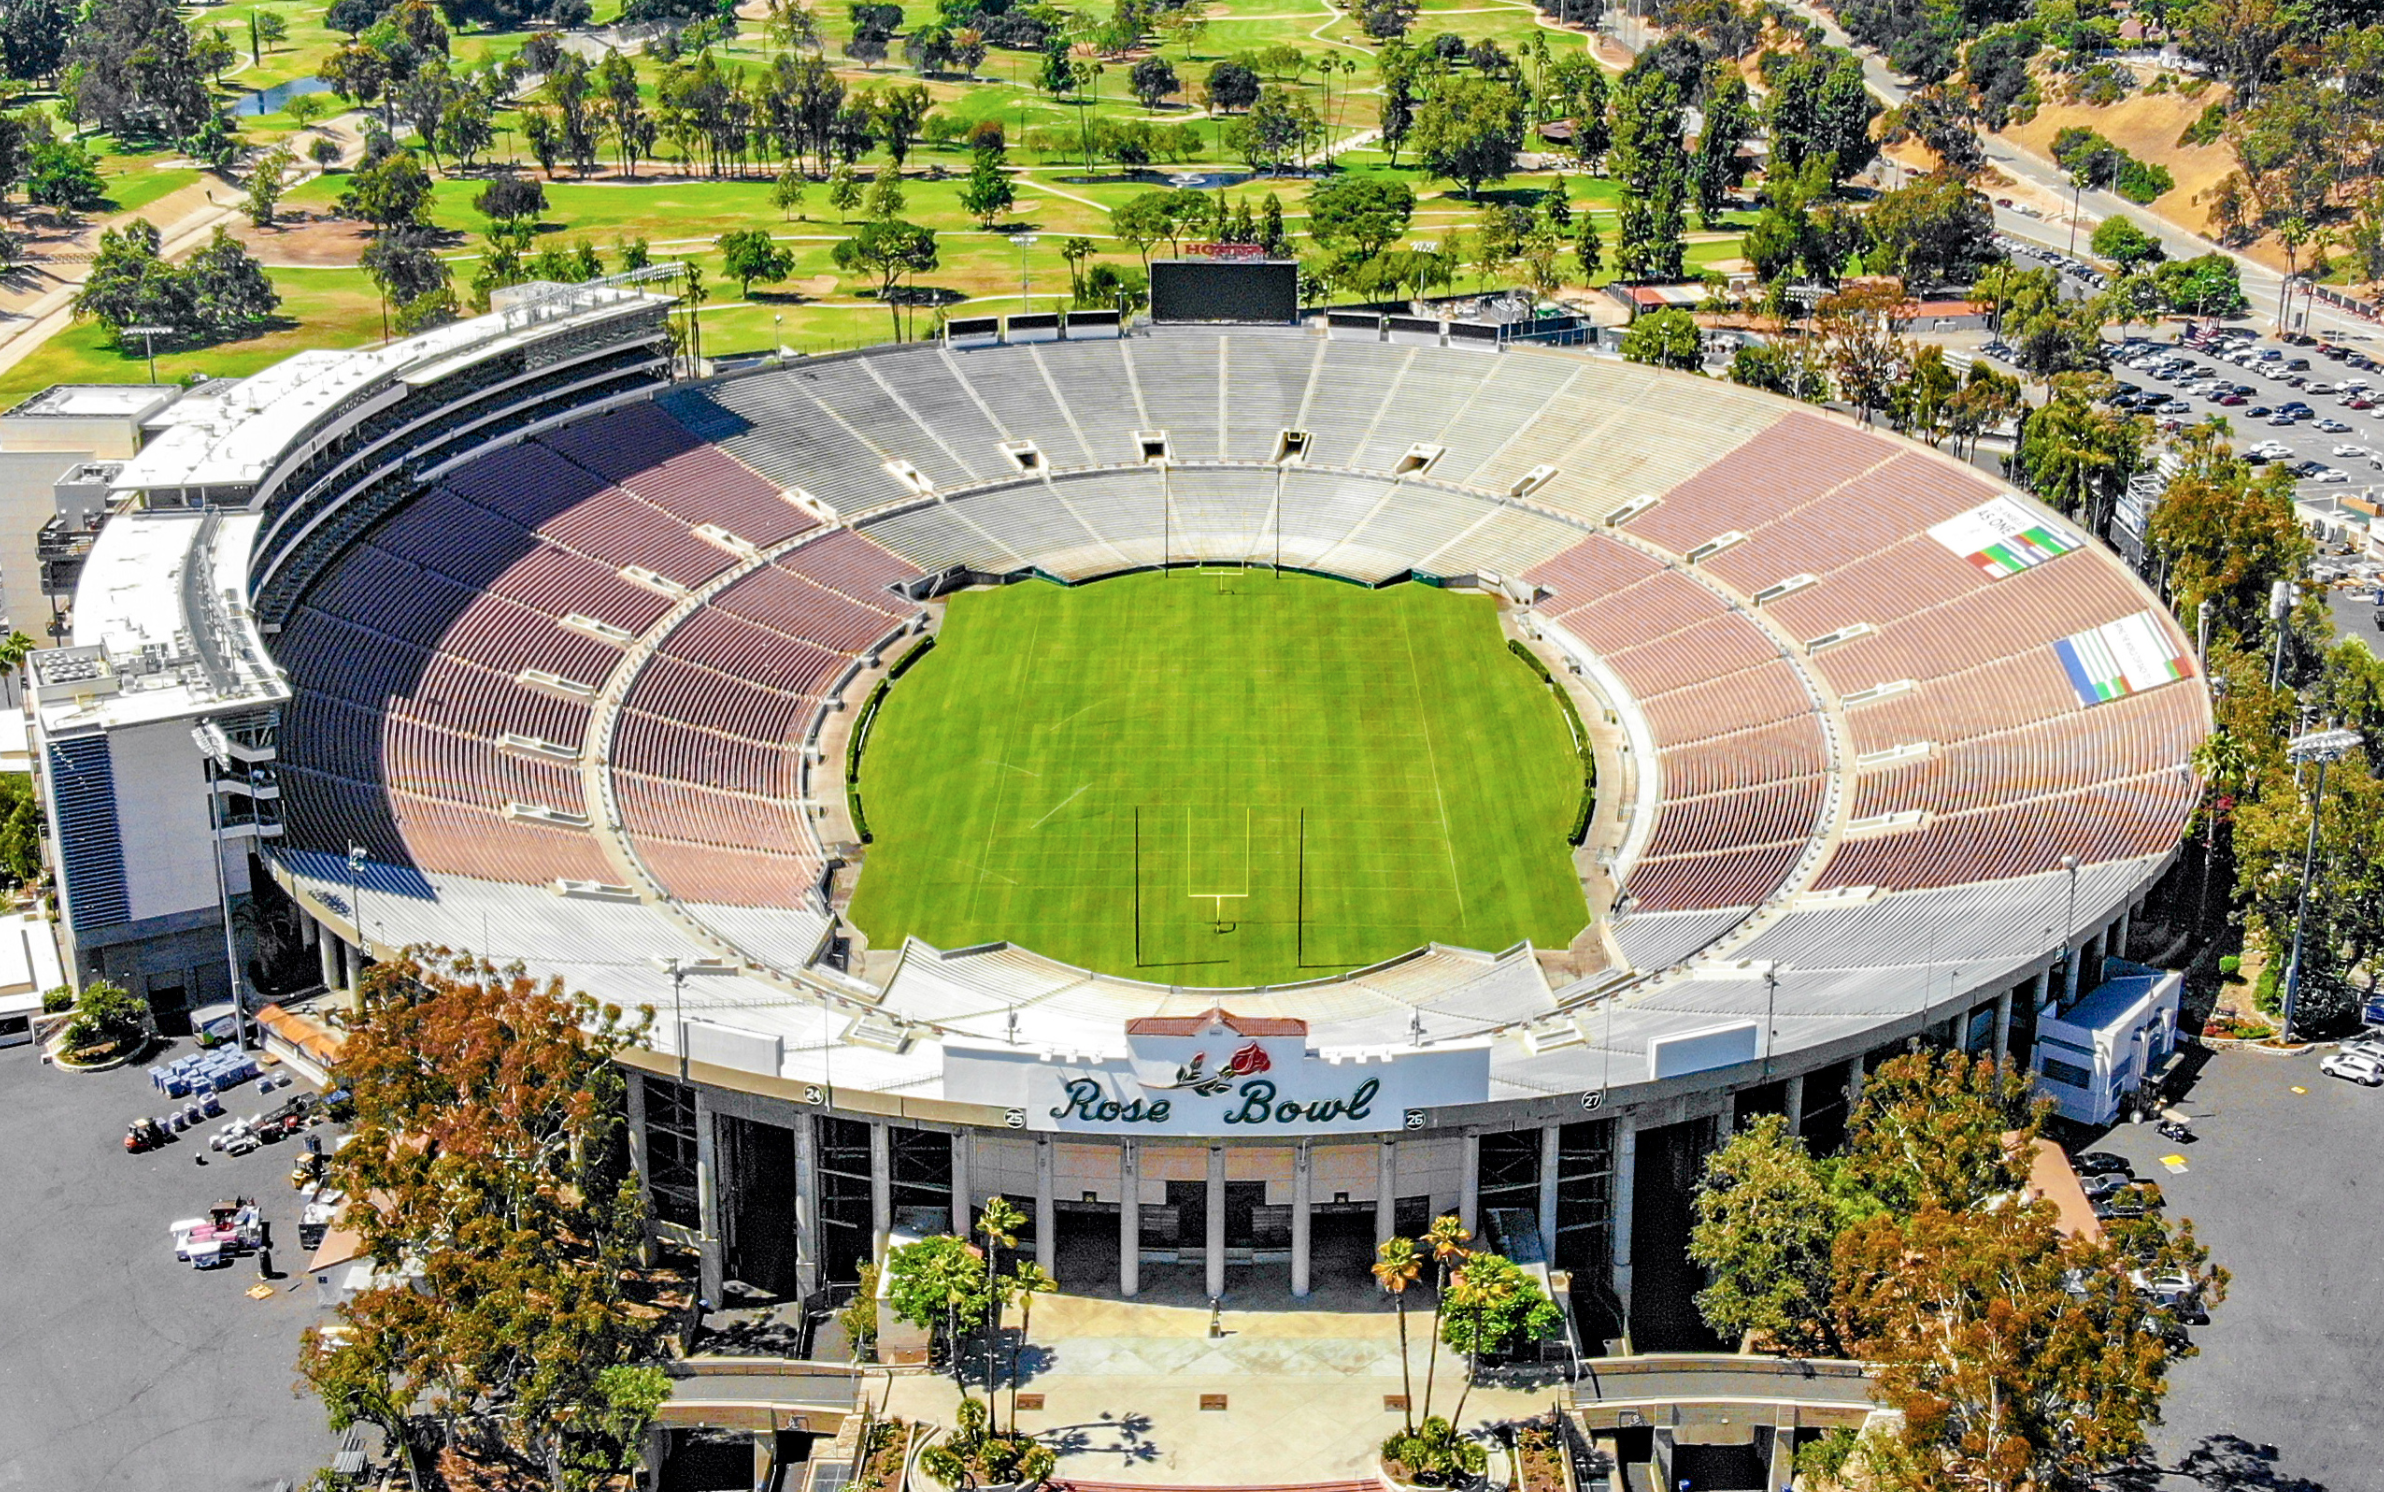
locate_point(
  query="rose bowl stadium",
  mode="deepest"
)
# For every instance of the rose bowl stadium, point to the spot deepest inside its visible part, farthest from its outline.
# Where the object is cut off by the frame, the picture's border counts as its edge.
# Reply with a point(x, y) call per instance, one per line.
point(1235, 790)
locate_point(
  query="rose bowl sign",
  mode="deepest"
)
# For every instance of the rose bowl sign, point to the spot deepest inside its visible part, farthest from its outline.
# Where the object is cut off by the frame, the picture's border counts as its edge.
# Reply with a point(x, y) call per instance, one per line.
point(1217, 1075)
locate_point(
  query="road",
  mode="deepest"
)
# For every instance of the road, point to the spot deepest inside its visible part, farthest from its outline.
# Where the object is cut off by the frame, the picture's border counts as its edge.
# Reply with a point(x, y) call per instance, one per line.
point(2261, 284)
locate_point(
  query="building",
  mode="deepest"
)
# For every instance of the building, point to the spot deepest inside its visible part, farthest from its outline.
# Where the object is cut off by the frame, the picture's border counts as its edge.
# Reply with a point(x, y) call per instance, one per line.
point(1893, 753)
point(2094, 1057)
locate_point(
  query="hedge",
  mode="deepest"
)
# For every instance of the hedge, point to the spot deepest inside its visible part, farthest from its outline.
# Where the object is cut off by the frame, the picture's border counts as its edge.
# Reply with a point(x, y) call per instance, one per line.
point(1579, 829)
point(859, 740)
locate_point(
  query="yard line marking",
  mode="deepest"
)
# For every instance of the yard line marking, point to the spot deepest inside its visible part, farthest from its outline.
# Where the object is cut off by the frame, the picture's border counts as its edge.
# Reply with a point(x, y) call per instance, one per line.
point(1005, 766)
point(1056, 807)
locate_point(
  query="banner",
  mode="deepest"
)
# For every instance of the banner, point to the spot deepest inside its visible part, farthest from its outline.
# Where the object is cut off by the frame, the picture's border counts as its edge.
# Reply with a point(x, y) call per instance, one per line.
point(2003, 538)
point(2122, 658)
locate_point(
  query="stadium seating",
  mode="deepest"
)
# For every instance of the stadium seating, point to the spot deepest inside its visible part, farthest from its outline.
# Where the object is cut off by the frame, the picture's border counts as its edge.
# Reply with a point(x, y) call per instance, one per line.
point(460, 663)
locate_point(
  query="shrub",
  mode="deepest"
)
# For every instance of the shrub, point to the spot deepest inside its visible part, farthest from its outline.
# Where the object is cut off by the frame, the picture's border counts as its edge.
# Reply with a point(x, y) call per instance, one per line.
point(1434, 1455)
point(2230, 965)
point(1579, 828)
point(55, 1000)
point(2206, 129)
point(106, 1016)
point(975, 1455)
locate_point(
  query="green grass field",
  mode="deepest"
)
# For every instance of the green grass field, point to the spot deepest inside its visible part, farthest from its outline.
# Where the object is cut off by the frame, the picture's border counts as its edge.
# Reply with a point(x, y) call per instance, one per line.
point(1289, 776)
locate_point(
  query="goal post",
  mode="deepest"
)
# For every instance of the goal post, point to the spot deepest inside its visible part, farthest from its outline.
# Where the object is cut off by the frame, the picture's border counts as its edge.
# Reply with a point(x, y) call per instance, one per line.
point(1217, 864)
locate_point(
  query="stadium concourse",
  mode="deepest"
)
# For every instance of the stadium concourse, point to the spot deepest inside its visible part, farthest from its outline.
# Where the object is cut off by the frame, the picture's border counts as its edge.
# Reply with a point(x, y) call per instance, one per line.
point(1898, 753)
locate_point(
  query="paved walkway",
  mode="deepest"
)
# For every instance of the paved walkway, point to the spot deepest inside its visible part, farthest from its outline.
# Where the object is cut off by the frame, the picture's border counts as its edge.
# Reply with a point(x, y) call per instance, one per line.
point(1304, 1392)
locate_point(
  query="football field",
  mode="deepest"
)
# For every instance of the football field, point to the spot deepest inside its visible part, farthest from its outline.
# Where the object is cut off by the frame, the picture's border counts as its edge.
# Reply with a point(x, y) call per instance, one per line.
point(1220, 778)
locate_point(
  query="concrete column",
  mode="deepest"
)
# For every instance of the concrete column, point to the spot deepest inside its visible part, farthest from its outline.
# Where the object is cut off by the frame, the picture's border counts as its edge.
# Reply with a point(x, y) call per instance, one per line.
point(1551, 1146)
point(881, 1187)
point(2070, 976)
point(1214, 1243)
point(1726, 1119)
point(963, 1215)
point(1792, 1103)
point(1129, 1219)
point(1469, 1189)
point(1854, 1085)
point(2042, 987)
point(1303, 1198)
point(1386, 1189)
point(327, 948)
point(707, 1196)
point(1047, 1212)
point(1783, 1449)
point(807, 1213)
point(2003, 1015)
point(2127, 917)
point(1626, 1170)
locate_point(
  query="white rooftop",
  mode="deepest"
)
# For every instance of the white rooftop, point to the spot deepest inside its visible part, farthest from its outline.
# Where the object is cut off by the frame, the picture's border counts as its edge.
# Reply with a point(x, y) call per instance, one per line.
point(28, 961)
point(236, 438)
point(86, 401)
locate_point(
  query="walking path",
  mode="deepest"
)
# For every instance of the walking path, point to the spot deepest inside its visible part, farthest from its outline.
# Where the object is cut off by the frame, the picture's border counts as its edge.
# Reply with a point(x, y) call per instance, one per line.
point(1304, 1392)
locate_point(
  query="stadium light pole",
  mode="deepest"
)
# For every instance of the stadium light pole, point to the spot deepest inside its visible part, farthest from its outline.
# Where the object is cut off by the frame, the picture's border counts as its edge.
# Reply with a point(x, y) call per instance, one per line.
point(2280, 606)
point(1026, 241)
point(676, 968)
point(216, 747)
point(149, 336)
point(356, 908)
point(2322, 747)
point(2069, 924)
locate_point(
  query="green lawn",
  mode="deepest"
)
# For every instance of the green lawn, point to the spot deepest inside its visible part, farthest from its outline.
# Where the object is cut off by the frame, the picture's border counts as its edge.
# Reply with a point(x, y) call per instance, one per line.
point(1286, 776)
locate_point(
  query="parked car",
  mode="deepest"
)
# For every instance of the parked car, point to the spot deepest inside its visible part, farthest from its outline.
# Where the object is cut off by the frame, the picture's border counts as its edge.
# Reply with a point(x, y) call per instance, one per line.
point(2355, 1067)
point(2332, 426)
point(2101, 1163)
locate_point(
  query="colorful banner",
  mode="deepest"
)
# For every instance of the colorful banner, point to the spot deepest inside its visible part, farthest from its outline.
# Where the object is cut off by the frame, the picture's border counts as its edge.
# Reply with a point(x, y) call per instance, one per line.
point(2003, 538)
point(2121, 658)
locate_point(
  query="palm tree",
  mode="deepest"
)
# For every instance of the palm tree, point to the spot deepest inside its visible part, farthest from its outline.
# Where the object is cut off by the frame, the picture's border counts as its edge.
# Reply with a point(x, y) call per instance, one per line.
point(1027, 1281)
point(999, 1222)
point(1446, 1238)
point(14, 650)
point(1396, 1266)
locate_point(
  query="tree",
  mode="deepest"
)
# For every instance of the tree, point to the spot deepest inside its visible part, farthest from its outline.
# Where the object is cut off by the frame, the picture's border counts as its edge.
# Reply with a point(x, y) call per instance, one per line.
point(786, 193)
point(987, 193)
point(61, 174)
point(511, 199)
point(1589, 253)
point(1232, 87)
point(1729, 120)
point(1937, 231)
point(1397, 1266)
point(1278, 127)
point(1944, 1130)
point(1446, 1239)
point(266, 183)
point(227, 290)
point(2017, 1357)
point(1385, 20)
point(2049, 334)
point(897, 113)
point(999, 1224)
point(406, 269)
point(1359, 215)
point(489, 1157)
point(888, 248)
point(844, 191)
point(749, 255)
point(1493, 1307)
point(33, 38)
point(266, 30)
point(885, 193)
point(1653, 169)
point(392, 192)
point(1861, 329)
point(1027, 1280)
point(2078, 453)
point(1665, 339)
point(1765, 1223)
point(107, 1017)
point(2120, 241)
point(1820, 109)
point(20, 824)
point(625, 109)
point(131, 284)
point(941, 1285)
point(1152, 80)
point(2226, 539)
point(1470, 132)
point(133, 70)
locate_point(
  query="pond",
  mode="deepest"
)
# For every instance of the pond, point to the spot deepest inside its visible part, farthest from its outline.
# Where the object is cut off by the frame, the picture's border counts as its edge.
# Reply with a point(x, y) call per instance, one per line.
point(271, 100)
point(1196, 179)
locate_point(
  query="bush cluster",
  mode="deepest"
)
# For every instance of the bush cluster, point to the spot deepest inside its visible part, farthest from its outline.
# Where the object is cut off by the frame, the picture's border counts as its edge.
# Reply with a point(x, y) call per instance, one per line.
point(1579, 829)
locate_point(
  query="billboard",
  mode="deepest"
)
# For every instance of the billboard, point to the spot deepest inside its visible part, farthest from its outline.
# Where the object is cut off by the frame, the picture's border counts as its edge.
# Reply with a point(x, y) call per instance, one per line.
point(2002, 538)
point(2122, 658)
point(1264, 291)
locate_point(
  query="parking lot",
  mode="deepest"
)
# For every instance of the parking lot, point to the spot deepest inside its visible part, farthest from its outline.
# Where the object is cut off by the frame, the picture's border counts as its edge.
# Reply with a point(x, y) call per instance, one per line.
point(118, 1366)
point(2280, 1397)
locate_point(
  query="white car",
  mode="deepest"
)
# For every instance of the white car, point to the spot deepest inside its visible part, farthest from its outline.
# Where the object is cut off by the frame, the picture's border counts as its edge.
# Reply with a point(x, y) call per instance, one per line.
point(2347, 449)
point(2333, 427)
point(2355, 1067)
point(2332, 474)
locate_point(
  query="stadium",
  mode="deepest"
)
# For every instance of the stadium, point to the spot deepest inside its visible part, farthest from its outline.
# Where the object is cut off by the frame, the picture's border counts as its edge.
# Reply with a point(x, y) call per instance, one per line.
point(1236, 790)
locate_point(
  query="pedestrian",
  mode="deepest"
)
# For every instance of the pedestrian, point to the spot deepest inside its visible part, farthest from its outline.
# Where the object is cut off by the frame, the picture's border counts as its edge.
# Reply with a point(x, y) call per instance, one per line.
point(265, 1262)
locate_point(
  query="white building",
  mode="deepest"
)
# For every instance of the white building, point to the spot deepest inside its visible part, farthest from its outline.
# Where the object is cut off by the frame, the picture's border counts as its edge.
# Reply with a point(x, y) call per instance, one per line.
point(2092, 1056)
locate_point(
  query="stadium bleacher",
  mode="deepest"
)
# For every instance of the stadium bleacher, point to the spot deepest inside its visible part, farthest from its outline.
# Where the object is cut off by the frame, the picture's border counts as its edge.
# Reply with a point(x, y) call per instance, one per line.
point(455, 663)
